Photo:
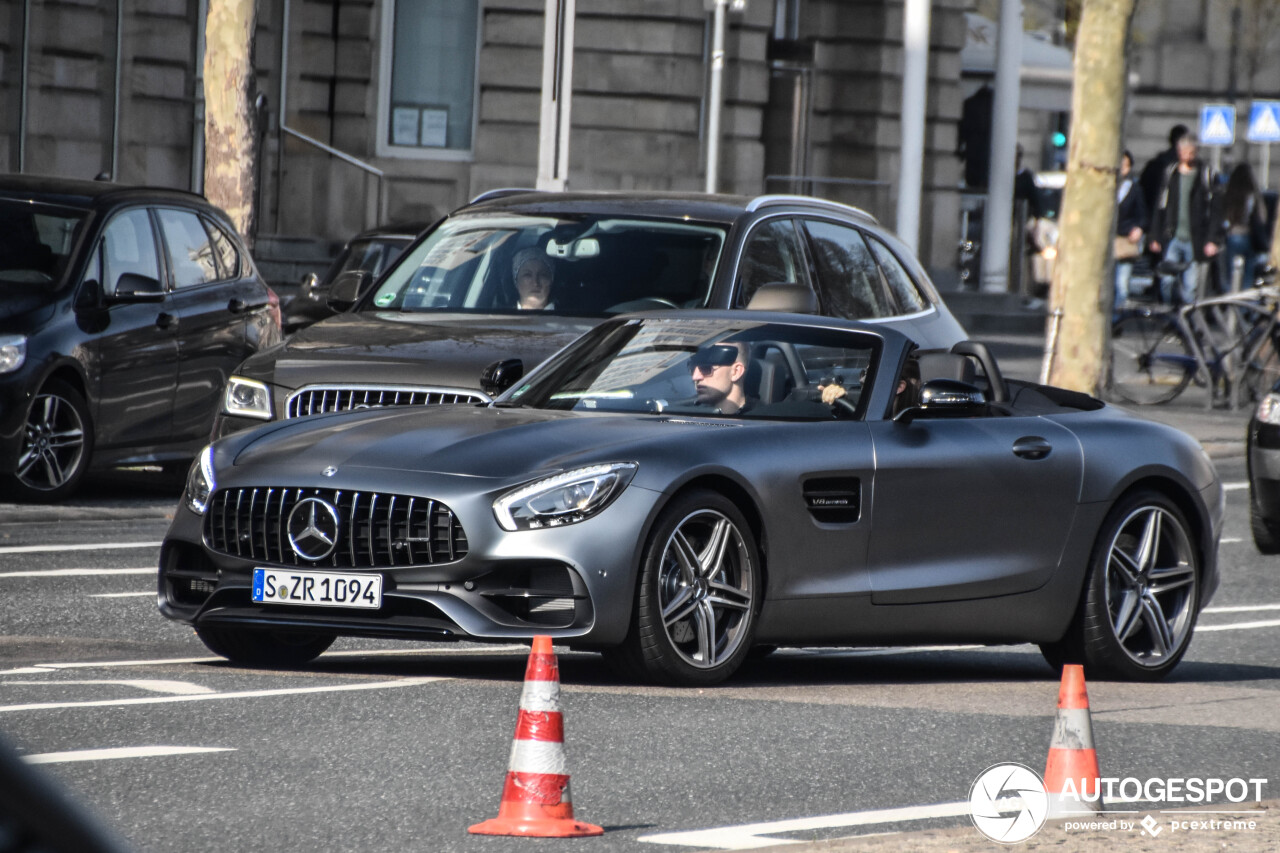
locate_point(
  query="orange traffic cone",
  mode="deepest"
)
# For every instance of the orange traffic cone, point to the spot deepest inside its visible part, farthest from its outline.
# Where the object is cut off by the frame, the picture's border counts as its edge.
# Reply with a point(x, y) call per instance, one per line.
point(535, 798)
point(1071, 772)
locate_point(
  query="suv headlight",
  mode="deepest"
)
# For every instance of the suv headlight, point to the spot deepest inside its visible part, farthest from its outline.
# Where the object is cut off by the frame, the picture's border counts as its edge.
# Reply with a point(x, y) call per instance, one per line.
point(200, 482)
point(1269, 409)
point(563, 499)
point(247, 398)
point(13, 352)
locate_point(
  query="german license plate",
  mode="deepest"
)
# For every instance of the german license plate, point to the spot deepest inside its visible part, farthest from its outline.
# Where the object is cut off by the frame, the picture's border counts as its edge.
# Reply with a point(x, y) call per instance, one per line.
point(317, 589)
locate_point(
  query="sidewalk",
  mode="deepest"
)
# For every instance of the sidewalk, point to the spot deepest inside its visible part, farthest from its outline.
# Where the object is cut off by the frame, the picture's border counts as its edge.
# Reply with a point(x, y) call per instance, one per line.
point(1220, 431)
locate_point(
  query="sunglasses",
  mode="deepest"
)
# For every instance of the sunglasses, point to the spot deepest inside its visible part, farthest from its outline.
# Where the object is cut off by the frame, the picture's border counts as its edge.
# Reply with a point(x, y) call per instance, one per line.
point(711, 357)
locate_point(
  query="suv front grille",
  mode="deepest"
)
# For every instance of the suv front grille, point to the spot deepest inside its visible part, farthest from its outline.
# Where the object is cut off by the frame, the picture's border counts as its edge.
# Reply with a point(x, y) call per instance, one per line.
point(373, 530)
point(320, 399)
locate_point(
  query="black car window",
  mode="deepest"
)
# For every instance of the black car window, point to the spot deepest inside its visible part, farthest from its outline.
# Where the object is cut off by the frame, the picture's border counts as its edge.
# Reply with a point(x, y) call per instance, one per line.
point(35, 241)
point(904, 289)
point(224, 251)
point(848, 276)
point(128, 246)
point(771, 255)
point(189, 248)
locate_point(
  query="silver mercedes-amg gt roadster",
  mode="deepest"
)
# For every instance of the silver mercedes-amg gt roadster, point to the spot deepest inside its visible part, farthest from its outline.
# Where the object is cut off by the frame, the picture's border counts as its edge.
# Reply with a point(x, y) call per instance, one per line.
point(678, 489)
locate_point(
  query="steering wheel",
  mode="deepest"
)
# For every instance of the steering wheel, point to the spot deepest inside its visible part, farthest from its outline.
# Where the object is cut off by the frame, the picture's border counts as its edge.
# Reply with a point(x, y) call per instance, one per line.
point(642, 304)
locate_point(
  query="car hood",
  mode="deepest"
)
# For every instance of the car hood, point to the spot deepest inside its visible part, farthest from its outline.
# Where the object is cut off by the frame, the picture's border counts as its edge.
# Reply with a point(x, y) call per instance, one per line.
point(417, 349)
point(472, 441)
point(21, 299)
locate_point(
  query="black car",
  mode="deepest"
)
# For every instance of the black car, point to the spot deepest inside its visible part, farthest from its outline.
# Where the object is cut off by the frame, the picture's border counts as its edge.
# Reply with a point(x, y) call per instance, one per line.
point(1262, 442)
point(370, 252)
point(445, 324)
point(122, 311)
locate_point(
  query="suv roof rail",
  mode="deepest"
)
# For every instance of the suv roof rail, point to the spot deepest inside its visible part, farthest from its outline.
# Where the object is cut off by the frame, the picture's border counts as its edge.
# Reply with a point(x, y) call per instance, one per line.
point(763, 201)
point(502, 192)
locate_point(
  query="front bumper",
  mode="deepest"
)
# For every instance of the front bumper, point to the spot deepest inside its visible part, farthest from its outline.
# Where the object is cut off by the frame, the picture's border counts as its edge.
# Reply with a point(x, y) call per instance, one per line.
point(572, 583)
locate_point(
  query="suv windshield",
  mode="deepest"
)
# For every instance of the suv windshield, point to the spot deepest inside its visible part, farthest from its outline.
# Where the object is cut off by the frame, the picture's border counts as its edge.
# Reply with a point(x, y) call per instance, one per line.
point(35, 241)
point(580, 265)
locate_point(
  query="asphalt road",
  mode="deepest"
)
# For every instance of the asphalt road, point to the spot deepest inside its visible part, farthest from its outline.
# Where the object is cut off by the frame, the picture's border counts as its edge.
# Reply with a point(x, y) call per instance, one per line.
point(382, 746)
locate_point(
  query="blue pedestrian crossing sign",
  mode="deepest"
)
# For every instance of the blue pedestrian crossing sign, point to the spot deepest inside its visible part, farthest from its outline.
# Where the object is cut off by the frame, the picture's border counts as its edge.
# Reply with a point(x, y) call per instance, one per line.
point(1264, 122)
point(1217, 124)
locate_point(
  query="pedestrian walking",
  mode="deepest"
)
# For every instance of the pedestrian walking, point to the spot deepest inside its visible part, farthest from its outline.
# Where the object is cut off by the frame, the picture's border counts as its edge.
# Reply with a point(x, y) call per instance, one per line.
point(1242, 226)
point(1131, 220)
point(1181, 223)
point(1153, 172)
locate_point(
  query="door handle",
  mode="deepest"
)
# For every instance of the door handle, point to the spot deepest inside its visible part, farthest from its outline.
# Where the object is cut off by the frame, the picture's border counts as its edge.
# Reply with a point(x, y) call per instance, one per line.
point(237, 306)
point(165, 320)
point(1032, 447)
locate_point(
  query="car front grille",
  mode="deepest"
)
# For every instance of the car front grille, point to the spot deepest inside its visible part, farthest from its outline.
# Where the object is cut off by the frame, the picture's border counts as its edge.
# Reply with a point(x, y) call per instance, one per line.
point(320, 399)
point(373, 530)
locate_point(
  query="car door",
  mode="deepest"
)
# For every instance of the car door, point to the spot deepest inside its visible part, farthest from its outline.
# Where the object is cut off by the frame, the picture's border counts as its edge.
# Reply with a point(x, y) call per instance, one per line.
point(213, 310)
point(135, 343)
point(969, 507)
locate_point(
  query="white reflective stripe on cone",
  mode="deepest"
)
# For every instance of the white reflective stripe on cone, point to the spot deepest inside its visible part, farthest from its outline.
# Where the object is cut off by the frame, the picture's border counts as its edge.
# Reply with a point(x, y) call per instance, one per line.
point(1072, 729)
point(535, 756)
point(540, 696)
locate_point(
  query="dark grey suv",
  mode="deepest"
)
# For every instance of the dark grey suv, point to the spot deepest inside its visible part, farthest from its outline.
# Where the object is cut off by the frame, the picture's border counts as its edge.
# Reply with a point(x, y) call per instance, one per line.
point(507, 280)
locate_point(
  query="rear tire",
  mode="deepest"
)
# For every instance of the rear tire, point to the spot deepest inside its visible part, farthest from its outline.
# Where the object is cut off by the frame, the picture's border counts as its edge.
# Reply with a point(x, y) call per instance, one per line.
point(264, 648)
point(1150, 362)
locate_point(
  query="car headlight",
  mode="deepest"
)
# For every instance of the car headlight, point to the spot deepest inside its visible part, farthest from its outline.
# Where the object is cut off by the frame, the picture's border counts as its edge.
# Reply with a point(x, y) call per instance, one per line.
point(1269, 409)
point(13, 352)
point(563, 499)
point(247, 398)
point(200, 482)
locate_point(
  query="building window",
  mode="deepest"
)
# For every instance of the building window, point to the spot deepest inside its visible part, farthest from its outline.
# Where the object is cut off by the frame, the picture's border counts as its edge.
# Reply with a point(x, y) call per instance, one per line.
point(429, 78)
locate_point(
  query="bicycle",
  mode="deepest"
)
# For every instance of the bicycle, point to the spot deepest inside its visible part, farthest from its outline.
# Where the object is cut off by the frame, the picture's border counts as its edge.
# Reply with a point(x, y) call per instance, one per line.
point(1229, 344)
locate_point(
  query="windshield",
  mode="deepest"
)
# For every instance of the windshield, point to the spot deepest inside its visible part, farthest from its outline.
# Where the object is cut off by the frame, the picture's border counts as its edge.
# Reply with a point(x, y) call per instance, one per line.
point(581, 265)
point(35, 241)
point(706, 368)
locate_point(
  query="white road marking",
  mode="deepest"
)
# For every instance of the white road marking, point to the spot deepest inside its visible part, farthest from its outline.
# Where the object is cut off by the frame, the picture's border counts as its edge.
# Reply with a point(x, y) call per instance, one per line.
point(1238, 626)
point(241, 694)
point(119, 752)
point(155, 685)
point(151, 594)
point(1235, 487)
point(1246, 608)
point(100, 546)
point(76, 573)
point(753, 835)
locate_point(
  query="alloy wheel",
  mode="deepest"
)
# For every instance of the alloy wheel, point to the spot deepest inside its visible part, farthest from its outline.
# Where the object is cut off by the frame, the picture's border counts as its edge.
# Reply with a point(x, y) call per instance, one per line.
point(53, 447)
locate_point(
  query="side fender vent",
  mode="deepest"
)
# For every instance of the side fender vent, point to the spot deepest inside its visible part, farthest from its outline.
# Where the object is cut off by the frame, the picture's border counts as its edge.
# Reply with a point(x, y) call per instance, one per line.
point(834, 500)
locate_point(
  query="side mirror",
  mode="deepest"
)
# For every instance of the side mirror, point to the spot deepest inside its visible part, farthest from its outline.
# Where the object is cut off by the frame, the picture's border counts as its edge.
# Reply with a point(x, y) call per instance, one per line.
point(501, 375)
point(945, 398)
point(132, 287)
point(309, 286)
point(346, 289)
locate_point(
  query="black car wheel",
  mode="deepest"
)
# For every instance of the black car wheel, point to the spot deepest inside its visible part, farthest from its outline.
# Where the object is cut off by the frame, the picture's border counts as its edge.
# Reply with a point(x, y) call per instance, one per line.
point(1142, 595)
point(1266, 533)
point(699, 595)
point(264, 648)
point(56, 444)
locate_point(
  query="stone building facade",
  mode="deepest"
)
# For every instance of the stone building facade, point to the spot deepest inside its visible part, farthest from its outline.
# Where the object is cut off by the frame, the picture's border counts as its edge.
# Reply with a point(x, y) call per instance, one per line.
point(442, 97)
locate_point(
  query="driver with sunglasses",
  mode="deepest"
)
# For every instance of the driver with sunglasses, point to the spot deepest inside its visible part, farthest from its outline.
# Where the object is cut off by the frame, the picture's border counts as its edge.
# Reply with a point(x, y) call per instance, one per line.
point(718, 371)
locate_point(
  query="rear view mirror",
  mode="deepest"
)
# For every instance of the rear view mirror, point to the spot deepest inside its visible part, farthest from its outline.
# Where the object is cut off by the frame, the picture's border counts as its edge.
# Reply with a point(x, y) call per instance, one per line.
point(347, 288)
point(501, 375)
point(132, 287)
point(945, 398)
point(587, 247)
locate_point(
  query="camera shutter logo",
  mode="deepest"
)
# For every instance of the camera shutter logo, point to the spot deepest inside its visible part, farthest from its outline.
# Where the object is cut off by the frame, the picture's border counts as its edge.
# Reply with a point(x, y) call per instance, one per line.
point(1008, 803)
point(313, 529)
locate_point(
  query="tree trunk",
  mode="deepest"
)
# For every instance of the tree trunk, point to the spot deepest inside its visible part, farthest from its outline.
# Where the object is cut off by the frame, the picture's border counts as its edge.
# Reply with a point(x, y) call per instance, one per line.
point(229, 121)
point(1083, 281)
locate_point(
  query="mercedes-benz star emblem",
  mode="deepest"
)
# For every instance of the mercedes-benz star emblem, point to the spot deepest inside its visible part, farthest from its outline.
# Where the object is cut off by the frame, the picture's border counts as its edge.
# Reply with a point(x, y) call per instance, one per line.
point(313, 529)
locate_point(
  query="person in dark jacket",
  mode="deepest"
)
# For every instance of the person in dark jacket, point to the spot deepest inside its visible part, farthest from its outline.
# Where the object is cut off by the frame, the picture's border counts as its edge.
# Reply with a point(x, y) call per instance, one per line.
point(1153, 172)
point(1181, 221)
point(1241, 224)
point(1131, 220)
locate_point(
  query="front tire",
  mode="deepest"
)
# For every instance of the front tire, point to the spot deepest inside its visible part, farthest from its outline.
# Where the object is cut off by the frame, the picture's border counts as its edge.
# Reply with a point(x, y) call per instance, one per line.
point(56, 444)
point(264, 648)
point(1142, 595)
point(1266, 533)
point(699, 595)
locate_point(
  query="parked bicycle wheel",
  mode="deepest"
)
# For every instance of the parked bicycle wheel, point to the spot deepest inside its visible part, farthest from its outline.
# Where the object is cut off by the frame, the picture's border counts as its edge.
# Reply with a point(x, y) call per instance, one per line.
point(1150, 361)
